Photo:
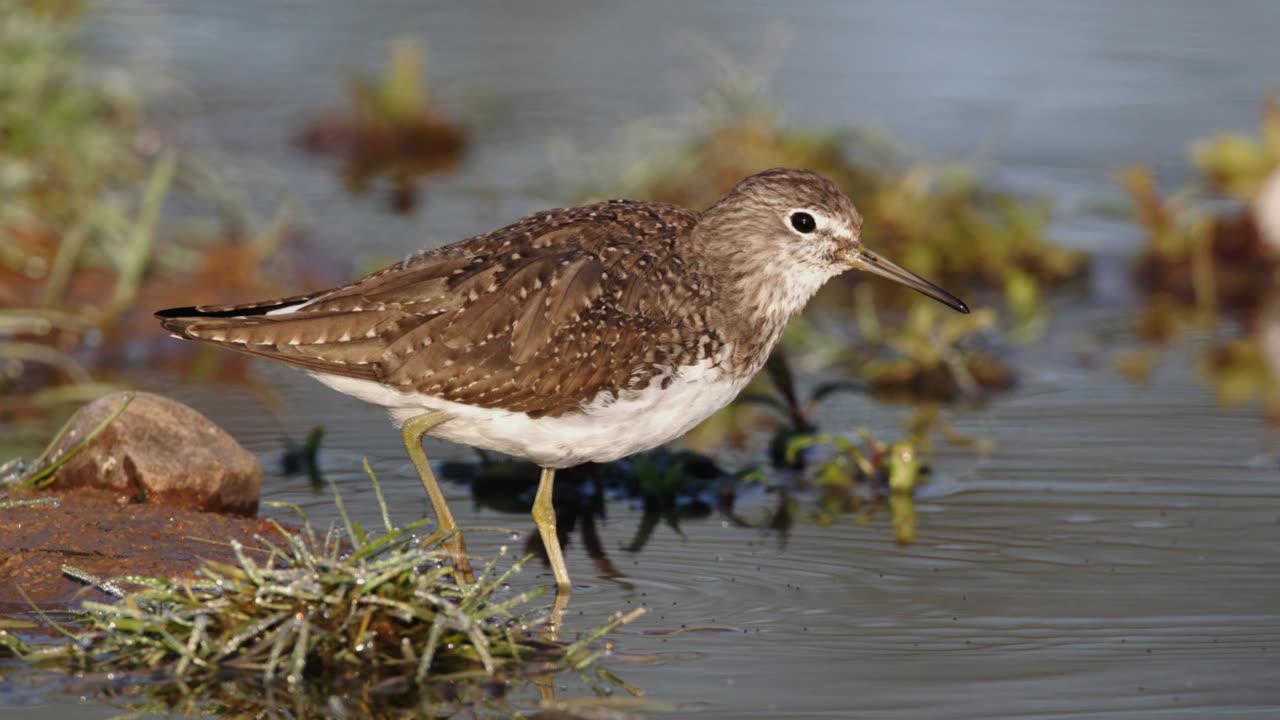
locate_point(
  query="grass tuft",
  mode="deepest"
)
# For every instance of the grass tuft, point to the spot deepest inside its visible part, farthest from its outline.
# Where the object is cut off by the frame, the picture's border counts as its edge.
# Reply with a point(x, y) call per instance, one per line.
point(318, 612)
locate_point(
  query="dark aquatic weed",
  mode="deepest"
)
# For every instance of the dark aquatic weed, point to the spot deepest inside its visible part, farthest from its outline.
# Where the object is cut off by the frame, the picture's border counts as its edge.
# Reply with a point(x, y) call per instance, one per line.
point(794, 416)
point(670, 486)
point(312, 613)
point(304, 457)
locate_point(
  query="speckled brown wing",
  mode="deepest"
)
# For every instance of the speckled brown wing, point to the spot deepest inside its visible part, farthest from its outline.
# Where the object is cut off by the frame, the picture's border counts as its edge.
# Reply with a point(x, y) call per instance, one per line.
point(538, 317)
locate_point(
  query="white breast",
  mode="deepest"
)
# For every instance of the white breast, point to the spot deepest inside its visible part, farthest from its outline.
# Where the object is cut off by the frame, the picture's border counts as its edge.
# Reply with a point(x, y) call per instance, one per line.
point(606, 429)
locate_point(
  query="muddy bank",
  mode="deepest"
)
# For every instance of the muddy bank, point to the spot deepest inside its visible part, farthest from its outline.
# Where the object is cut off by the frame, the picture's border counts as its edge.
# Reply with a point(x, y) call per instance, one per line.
point(90, 531)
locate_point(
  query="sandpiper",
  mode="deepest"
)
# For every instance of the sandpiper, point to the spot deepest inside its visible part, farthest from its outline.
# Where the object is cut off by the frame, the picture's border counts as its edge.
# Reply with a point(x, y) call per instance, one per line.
point(573, 335)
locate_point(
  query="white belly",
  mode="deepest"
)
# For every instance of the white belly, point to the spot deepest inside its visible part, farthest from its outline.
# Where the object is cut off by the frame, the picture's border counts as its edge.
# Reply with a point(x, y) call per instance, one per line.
point(605, 430)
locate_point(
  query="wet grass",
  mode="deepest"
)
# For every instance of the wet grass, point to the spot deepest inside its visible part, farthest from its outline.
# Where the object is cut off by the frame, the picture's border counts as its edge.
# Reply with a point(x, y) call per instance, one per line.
point(313, 615)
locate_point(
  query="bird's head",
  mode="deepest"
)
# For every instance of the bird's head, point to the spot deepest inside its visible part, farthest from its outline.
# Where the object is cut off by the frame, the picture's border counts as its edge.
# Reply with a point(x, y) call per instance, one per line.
point(803, 227)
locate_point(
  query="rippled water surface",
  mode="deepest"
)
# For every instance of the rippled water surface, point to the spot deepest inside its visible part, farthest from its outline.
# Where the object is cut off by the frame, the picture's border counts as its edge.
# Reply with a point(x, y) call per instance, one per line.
point(1116, 557)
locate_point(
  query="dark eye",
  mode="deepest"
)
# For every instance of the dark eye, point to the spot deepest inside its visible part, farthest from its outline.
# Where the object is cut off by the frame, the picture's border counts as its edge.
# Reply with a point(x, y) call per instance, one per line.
point(803, 222)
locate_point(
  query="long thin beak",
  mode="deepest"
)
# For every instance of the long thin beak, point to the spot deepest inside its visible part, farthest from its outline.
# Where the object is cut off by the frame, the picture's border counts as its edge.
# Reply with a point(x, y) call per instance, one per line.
point(863, 259)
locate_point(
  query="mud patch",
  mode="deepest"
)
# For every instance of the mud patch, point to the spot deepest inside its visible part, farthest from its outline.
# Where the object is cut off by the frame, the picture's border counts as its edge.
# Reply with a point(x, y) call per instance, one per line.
point(91, 531)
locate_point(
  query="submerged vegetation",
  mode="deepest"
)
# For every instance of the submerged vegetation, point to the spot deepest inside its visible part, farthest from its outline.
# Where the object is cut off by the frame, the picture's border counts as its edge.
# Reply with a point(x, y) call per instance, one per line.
point(392, 131)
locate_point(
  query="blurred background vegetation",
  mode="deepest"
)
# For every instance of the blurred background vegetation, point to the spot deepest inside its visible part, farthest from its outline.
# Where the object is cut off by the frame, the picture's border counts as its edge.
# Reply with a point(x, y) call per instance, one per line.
point(104, 218)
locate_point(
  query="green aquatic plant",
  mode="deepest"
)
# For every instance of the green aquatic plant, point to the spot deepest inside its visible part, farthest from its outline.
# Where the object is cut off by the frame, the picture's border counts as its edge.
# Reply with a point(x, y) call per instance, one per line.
point(930, 356)
point(929, 420)
point(319, 612)
point(1240, 363)
point(68, 141)
point(403, 93)
point(82, 188)
point(66, 147)
point(862, 478)
point(1240, 366)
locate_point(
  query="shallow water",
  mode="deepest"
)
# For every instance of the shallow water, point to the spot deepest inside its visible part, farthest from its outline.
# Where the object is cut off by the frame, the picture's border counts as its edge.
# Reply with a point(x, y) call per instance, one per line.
point(1114, 558)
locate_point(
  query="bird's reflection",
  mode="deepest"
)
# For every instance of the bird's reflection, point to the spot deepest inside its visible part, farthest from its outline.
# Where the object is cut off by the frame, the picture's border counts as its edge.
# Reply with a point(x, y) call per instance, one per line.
point(670, 486)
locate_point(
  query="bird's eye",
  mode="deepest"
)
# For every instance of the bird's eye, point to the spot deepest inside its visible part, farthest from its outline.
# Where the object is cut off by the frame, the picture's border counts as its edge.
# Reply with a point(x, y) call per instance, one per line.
point(803, 222)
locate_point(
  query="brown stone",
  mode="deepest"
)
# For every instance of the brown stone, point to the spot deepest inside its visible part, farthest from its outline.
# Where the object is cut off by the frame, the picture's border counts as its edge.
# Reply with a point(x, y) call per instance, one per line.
point(159, 451)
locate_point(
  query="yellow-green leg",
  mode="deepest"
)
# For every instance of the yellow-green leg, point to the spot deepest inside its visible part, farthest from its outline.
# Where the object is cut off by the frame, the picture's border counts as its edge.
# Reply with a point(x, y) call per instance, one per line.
point(412, 431)
point(544, 516)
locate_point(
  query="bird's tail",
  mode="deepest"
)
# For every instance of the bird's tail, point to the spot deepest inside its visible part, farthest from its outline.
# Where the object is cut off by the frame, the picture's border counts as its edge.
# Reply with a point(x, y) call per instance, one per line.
point(271, 329)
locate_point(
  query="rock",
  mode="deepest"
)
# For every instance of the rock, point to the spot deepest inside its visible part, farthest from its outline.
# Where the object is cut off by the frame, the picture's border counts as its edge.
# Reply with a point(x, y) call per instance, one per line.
point(159, 451)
